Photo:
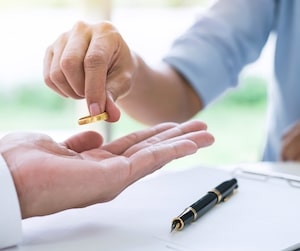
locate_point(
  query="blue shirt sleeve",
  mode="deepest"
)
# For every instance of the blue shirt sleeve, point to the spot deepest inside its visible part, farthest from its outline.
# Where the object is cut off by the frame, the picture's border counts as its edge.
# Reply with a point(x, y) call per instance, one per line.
point(211, 53)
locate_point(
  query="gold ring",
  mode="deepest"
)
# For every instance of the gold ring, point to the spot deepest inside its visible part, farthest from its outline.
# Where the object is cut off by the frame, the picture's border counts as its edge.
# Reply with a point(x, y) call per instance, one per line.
point(92, 119)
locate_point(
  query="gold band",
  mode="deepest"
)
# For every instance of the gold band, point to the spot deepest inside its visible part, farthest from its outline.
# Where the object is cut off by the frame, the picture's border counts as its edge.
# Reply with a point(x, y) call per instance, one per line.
point(219, 195)
point(194, 213)
point(91, 119)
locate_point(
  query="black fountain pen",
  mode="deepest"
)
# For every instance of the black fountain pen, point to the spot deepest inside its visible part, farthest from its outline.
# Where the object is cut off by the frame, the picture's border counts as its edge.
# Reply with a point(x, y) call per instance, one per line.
point(199, 208)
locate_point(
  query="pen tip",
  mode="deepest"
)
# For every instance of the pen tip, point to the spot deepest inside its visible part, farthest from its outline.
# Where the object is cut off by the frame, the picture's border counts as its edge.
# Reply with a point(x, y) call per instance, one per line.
point(175, 225)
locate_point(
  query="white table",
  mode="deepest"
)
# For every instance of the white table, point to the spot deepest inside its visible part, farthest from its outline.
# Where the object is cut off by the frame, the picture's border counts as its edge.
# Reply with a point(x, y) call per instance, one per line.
point(262, 215)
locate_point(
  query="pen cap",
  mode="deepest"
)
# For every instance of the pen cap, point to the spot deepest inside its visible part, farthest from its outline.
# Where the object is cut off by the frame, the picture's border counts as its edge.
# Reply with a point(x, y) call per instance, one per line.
point(227, 187)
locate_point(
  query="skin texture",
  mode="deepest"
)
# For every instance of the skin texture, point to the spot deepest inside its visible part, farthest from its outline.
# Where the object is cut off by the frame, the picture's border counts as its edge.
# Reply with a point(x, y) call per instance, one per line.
point(50, 177)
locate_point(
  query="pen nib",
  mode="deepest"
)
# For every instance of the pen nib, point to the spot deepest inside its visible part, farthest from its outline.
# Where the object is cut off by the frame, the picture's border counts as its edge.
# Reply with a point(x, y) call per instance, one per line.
point(175, 225)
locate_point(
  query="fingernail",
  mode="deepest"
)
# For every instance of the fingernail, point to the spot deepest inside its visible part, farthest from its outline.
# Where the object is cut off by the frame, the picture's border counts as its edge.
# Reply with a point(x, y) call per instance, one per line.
point(94, 109)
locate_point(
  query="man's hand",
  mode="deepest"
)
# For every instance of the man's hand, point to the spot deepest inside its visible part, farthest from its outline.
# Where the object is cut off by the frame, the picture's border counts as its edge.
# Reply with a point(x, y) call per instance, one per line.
point(92, 62)
point(51, 177)
point(291, 144)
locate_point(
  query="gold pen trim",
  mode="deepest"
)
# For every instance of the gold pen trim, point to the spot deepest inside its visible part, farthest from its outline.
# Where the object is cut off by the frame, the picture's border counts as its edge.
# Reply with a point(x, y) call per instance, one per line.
point(179, 223)
point(194, 213)
point(219, 195)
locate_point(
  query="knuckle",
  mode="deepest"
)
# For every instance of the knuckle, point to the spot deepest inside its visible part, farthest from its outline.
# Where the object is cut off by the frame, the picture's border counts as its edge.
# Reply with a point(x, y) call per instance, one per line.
point(56, 76)
point(107, 29)
point(69, 63)
point(79, 26)
point(106, 26)
point(93, 60)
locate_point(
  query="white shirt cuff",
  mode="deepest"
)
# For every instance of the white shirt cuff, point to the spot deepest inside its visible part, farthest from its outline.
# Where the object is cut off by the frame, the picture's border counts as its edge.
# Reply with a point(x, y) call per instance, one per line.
point(10, 215)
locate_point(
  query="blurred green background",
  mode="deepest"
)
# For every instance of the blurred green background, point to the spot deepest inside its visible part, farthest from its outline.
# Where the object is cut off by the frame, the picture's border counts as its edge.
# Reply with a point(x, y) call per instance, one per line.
point(236, 119)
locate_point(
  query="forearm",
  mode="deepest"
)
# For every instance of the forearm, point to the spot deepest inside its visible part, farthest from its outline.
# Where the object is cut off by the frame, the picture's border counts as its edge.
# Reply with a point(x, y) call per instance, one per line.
point(159, 94)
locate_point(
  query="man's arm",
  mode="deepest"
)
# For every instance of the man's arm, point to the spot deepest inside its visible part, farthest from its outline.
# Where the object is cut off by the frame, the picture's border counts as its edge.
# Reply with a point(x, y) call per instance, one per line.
point(94, 62)
point(160, 94)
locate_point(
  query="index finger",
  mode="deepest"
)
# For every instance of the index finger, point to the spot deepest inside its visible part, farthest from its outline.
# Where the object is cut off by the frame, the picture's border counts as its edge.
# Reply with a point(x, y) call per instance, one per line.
point(97, 63)
point(71, 61)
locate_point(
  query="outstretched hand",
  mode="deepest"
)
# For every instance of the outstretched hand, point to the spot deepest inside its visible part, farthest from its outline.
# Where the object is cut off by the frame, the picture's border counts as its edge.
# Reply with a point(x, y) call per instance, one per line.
point(51, 177)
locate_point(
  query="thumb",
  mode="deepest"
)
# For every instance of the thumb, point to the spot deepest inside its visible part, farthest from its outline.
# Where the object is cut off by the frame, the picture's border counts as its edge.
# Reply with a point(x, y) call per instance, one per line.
point(112, 109)
point(84, 141)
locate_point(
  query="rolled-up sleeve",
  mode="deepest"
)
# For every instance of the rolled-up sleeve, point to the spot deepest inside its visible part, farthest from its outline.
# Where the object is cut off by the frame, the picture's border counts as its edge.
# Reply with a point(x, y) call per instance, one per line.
point(10, 216)
point(212, 52)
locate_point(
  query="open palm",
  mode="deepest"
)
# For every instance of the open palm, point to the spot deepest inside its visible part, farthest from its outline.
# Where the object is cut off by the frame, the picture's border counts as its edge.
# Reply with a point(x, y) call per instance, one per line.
point(50, 177)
